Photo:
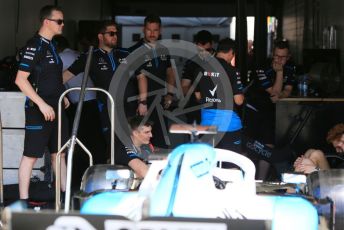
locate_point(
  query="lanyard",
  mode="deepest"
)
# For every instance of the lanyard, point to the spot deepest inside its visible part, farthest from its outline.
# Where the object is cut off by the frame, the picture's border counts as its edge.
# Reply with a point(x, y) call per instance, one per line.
point(113, 63)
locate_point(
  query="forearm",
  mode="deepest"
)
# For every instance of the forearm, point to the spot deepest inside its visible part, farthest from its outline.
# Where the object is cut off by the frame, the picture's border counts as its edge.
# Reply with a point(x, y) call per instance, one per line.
point(318, 157)
point(171, 81)
point(139, 167)
point(25, 86)
point(198, 96)
point(286, 92)
point(67, 75)
point(185, 86)
point(278, 84)
point(142, 87)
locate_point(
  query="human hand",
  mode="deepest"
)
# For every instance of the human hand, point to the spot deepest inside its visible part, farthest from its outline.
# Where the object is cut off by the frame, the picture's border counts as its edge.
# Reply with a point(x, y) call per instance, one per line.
point(274, 98)
point(142, 109)
point(304, 165)
point(277, 66)
point(339, 150)
point(47, 111)
point(167, 101)
point(66, 102)
point(298, 161)
point(306, 169)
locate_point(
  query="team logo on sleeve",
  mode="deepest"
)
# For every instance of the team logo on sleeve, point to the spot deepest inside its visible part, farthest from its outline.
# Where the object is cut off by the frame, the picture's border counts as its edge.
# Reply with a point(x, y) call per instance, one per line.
point(29, 53)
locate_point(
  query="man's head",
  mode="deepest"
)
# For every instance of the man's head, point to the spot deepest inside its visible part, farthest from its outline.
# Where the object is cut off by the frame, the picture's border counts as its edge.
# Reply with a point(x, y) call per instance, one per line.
point(51, 18)
point(141, 130)
point(204, 40)
point(152, 28)
point(226, 49)
point(336, 137)
point(107, 35)
point(281, 52)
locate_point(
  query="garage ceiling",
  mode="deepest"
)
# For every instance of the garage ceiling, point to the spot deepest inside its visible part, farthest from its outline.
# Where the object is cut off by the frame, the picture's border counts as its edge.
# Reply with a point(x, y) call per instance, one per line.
point(188, 8)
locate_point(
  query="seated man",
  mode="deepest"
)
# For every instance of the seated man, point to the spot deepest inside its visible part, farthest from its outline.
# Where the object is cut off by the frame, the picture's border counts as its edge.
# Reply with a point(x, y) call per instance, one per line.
point(134, 151)
point(314, 160)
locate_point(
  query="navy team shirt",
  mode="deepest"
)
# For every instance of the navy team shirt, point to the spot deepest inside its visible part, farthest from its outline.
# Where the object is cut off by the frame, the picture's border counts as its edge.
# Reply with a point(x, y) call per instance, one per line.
point(40, 59)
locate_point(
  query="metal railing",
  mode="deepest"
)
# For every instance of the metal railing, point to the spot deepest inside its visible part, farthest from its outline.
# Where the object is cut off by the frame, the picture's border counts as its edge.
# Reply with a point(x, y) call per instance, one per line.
point(70, 143)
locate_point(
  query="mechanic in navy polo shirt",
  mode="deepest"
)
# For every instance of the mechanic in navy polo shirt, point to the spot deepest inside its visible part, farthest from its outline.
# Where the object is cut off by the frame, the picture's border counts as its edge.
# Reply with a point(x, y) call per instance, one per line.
point(105, 61)
point(271, 83)
point(39, 77)
point(220, 113)
point(155, 78)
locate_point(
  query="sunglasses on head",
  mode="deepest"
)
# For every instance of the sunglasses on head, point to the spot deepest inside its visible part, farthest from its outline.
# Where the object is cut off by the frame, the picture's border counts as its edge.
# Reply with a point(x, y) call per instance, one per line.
point(58, 21)
point(111, 33)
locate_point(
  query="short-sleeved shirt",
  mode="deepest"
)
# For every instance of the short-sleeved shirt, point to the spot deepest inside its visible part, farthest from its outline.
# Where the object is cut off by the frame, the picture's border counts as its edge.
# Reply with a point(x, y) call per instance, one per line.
point(265, 79)
point(128, 152)
point(220, 114)
point(103, 67)
point(191, 70)
point(68, 56)
point(194, 66)
point(155, 61)
point(211, 81)
point(40, 59)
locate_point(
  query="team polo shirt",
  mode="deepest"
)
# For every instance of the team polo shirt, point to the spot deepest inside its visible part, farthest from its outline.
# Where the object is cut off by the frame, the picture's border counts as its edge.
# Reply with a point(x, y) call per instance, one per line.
point(40, 59)
point(194, 66)
point(102, 68)
point(219, 114)
point(155, 61)
point(193, 70)
point(265, 79)
point(127, 152)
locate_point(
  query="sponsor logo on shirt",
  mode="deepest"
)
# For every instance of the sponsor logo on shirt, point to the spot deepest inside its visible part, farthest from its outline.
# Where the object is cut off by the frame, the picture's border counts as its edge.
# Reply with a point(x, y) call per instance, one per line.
point(30, 53)
point(28, 57)
point(163, 57)
point(123, 61)
point(147, 58)
point(49, 55)
point(213, 100)
point(213, 91)
point(101, 61)
point(211, 74)
point(104, 67)
point(149, 64)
